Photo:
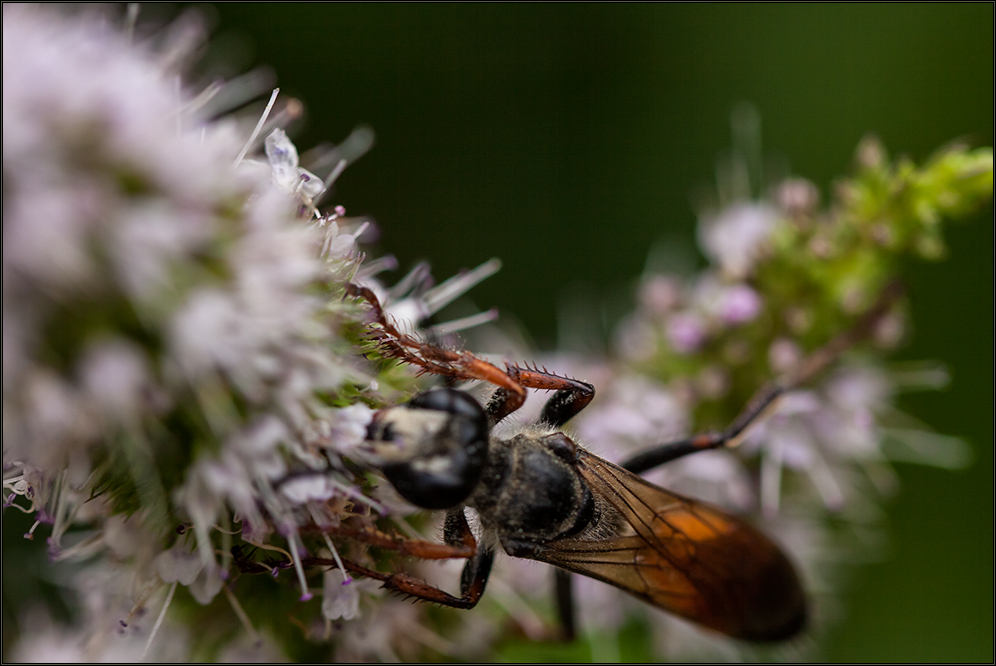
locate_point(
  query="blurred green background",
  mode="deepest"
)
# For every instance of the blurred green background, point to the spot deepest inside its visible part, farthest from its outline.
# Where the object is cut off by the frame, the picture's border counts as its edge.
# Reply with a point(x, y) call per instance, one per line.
point(568, 139)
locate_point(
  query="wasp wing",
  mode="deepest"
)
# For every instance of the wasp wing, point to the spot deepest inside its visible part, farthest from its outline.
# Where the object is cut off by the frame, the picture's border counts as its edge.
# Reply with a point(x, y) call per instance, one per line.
point(686, 557)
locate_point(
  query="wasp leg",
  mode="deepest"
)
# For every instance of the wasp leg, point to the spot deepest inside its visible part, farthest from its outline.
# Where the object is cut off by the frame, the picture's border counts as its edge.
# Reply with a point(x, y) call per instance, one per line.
point(460, 543)
point(571, 395)
point(456, 530)
point(473, 580)
point(502, 403)
point(664, 453)
point(570, 398)
point(404, 584)
point(423, 550)
point(472, 583)
point(456, 365)
point(566, 613)
point(804, 371)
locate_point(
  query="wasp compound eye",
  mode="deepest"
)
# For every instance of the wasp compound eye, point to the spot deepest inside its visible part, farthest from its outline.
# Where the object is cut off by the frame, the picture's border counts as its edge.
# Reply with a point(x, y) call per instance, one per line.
point(442, 437)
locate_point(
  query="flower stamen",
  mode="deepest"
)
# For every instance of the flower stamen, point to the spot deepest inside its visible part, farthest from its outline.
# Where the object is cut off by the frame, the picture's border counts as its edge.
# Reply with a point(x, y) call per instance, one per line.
point(159, 621)
point(258, 128)
point(335, 555)
point(296, 549)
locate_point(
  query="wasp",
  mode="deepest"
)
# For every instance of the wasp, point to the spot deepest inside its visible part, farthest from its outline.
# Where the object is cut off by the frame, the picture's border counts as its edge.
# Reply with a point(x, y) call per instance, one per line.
point(539, 495)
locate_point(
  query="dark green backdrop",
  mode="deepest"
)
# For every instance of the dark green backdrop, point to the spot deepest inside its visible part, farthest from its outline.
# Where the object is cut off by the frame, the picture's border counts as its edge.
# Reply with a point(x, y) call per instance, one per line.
point(567, 139)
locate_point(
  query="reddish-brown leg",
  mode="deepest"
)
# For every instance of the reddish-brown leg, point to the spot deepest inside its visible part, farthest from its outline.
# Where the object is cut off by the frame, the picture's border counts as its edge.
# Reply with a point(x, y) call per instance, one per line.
point(430, 358)
point(463, 548)
point(570, 398)
point(460, 542)
point(402, 583)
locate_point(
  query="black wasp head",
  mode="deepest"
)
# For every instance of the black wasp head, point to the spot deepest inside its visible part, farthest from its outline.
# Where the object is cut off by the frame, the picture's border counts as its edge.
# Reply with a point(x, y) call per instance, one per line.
point(434, 447)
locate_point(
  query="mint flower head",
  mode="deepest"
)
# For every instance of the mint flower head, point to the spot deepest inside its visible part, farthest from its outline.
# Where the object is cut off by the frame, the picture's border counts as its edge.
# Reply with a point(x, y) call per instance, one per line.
point(183, 380)
point(784, 278)
point(170, 326)
point(187, 387)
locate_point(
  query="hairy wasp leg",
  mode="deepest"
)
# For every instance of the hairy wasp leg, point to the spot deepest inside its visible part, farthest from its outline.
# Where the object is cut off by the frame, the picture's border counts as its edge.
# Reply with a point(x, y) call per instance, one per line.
point(404, 584)
point(571, 395)
point(474, 578)
point(456, 530)
point(472, 583)
point(455, 365)
point(570, 398)
point(423, 550)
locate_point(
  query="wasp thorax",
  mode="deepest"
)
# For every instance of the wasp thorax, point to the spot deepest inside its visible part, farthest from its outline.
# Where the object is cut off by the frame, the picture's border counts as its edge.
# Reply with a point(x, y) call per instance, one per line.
point(530, 491)
point(433, 449)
